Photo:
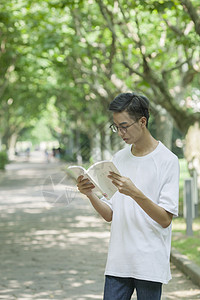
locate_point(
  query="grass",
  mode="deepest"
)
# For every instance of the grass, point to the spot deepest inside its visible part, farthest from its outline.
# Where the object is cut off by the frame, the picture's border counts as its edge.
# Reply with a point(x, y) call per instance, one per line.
point(187, 245)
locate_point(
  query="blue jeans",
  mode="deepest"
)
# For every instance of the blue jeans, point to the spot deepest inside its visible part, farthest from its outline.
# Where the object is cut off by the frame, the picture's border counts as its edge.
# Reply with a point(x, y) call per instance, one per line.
point(120, 288)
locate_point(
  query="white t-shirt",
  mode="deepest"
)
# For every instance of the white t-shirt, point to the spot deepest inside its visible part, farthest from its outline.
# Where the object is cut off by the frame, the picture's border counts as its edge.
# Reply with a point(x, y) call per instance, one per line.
point(140, 247)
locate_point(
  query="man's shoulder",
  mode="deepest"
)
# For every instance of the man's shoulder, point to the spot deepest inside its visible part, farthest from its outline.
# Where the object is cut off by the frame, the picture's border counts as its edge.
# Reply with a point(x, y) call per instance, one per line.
point(122, 152)
point(166, 152)
point(166, 156)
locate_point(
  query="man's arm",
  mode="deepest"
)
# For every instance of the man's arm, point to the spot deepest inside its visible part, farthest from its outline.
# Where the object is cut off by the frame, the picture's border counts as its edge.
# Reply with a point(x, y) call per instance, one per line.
point(157, 213)
point(85, 187)
point(127, 187)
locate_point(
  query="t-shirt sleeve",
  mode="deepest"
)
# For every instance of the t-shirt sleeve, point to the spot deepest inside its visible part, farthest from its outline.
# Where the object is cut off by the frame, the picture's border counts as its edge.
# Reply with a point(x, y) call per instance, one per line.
point(169, 193)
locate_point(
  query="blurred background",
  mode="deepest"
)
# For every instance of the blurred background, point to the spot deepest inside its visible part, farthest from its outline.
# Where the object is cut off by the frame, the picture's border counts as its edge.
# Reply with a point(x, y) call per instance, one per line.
point(62, 62)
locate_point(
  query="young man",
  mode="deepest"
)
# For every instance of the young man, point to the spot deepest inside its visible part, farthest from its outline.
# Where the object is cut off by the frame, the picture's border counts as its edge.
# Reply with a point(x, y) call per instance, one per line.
point(141, 210)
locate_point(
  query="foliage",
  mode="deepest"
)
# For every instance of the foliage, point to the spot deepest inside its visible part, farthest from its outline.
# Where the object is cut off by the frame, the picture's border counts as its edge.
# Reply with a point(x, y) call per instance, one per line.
point(82, 53)
point(3, 159)
point(37, 133)
point(25, 80)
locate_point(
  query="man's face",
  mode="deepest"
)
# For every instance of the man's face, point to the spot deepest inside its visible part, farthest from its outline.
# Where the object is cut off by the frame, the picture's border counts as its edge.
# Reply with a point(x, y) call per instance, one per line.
point(129, 134)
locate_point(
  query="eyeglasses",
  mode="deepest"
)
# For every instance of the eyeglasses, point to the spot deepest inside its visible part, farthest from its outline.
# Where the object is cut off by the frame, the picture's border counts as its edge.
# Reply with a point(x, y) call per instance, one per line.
point(123, 129)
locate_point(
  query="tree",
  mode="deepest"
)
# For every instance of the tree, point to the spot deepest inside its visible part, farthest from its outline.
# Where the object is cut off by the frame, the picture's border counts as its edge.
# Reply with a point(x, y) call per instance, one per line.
point(151, 45)
point(26, 76)
point(89, 51)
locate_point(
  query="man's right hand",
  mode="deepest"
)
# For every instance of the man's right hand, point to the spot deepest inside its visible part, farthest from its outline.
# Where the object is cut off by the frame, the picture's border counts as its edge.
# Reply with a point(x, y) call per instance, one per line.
point(85, 186)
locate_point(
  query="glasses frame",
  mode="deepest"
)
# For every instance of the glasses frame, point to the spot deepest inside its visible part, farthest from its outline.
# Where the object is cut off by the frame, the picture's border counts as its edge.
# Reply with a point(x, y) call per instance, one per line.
point(123, 129)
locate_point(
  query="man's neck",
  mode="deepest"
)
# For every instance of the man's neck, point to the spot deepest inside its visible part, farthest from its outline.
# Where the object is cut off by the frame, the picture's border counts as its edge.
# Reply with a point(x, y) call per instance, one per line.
point(146, 146)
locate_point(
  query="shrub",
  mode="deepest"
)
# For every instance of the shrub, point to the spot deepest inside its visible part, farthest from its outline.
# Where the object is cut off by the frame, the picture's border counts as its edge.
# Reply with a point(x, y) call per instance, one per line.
point(3, 159)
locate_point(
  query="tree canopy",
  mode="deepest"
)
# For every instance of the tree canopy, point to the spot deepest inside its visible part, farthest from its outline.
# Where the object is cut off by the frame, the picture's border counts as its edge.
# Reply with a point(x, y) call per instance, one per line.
point(81, 54)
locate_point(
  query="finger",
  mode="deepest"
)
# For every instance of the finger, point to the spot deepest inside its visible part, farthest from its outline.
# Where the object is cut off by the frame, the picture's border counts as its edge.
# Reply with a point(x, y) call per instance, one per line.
point(116, 179)
point(115, 182)
point(115, 175)
point(84, 184)
point(88, 185)
point(88, 188)
point(79, 179)
point(86, 181)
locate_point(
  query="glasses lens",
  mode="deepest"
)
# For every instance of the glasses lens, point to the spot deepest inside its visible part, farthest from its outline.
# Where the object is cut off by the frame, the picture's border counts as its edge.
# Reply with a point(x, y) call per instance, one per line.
point(113, 128)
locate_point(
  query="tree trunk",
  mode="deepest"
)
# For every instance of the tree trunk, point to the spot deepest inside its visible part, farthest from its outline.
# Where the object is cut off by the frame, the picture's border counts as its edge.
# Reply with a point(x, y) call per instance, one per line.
point(164, 128)
point(96, 147)
point(11, 146)
point(78, 148)
point(106, 145)
point(70, 147)
point(192, 149)
point(117, 143)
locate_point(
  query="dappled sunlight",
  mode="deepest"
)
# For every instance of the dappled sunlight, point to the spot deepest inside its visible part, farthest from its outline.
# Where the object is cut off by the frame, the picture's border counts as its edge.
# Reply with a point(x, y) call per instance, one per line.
point(196, 227)
point(64, 238)
point(179, 287)
point(62, 63)
point(27, 201)
point(57, 252)
point(83, 238)
point(86, 297)
point(88, 221)
point(184, 294)
point(181, 225)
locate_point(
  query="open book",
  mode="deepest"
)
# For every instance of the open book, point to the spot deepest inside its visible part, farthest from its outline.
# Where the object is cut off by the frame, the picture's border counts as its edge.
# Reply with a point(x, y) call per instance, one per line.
point(97, 174)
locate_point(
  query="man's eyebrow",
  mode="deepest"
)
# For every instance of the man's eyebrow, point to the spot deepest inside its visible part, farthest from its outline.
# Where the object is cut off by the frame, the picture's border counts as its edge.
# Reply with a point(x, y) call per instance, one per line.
point(123, 123)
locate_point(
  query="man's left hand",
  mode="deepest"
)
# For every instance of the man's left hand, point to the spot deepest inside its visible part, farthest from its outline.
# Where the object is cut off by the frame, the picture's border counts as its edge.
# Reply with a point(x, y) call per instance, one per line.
point(124, 184)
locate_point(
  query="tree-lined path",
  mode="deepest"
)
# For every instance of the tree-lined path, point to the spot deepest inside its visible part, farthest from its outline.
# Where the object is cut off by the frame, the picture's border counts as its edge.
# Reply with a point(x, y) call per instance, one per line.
point(51, 252)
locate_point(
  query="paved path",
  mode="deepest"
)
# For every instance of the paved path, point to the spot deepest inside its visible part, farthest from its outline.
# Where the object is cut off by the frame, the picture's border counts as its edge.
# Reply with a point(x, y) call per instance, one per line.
point(55, 252)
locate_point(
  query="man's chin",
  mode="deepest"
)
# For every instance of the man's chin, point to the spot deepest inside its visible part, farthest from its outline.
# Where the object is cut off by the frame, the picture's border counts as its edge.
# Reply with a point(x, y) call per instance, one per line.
point(127, 141)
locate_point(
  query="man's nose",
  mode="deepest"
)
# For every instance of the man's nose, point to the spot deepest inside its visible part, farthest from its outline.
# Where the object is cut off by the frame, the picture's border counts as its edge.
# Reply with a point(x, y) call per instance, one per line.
point(121, 132)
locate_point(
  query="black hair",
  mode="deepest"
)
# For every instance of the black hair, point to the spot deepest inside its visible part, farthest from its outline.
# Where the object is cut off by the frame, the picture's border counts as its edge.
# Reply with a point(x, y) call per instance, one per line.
point(136, 105)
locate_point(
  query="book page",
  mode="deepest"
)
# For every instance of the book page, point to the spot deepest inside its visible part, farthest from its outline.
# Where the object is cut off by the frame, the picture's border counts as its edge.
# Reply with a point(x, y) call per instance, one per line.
point(77, 171)
point(99, 172)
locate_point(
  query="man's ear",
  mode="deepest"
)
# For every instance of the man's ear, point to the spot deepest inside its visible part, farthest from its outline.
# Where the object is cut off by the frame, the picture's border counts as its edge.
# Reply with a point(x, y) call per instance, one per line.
point(143, 122)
